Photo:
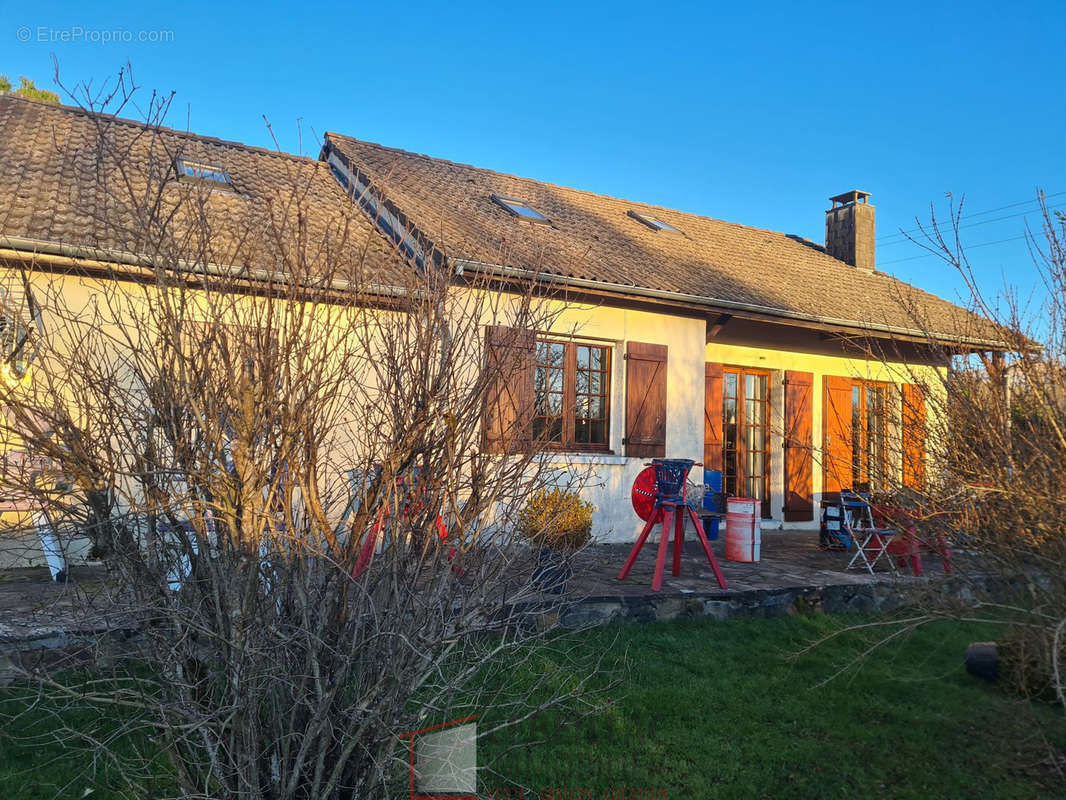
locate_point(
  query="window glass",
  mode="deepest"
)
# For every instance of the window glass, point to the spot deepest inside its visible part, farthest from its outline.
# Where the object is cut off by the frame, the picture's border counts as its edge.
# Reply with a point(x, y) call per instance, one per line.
point(745, 435)
point(572, 394)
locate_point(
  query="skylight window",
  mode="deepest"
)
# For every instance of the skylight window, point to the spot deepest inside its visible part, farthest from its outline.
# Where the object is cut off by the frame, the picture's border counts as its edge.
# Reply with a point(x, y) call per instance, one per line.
point(518, 208)
point(198, 171)
point(654, 223)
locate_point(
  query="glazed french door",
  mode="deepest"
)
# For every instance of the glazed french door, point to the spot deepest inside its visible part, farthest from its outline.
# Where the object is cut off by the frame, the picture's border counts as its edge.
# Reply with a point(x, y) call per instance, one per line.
point(746, 435)
point(869, 456)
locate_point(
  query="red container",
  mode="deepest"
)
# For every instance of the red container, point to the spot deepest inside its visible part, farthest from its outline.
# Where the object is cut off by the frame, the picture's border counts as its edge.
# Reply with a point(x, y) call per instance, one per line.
point(743, 529)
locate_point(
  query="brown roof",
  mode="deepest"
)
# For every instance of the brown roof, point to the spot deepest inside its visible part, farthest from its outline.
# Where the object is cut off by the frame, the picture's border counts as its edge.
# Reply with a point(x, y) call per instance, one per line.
point(69, 178)
point(593, 238)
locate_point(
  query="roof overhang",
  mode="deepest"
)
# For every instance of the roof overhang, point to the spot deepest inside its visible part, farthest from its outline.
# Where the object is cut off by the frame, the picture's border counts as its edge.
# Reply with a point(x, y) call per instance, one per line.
point(138, 266)
point(718, 306)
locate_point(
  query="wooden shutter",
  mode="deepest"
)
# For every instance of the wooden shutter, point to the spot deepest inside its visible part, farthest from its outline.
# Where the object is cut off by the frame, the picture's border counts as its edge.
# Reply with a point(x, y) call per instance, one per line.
point(913, 437)
point(837, 436)
point(712, 416)
point(799, 446)
point(645, 400)
point(510, 360)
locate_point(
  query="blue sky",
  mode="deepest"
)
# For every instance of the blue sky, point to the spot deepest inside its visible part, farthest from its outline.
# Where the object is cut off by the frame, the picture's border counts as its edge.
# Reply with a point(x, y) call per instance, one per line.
point(755, 115)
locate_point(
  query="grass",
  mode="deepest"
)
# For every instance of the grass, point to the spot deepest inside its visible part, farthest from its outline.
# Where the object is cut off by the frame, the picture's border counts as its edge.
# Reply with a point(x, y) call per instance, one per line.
point(719, 710)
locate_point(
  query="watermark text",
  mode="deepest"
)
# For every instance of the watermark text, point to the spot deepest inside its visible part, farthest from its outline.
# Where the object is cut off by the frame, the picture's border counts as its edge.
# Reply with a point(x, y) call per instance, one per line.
point(78, 34)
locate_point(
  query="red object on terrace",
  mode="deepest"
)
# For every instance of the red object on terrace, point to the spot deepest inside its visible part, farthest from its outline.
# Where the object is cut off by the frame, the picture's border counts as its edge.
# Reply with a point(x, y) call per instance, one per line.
point(659, 498)
point(908, 548)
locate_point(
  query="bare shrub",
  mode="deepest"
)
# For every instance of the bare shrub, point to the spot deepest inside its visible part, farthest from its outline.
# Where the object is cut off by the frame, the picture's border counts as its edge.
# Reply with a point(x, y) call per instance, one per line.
point(272, 431)
point(992, 487)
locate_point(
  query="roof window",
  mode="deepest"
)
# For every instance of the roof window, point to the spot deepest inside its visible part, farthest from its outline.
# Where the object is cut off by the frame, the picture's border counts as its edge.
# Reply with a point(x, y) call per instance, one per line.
point(654, 223)
point(199, 172)
point(519, 209)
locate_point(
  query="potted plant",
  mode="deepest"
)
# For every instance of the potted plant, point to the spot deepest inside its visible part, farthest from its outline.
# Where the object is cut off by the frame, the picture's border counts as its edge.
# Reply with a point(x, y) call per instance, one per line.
point(556, 523)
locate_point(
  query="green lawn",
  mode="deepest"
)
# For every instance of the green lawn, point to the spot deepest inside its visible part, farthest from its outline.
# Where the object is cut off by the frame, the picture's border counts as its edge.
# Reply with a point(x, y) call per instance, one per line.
point(718, 710)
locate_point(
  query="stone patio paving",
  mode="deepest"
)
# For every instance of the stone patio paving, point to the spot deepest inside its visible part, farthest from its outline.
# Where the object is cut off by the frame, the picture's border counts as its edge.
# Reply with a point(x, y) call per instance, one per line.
point(789, 559)
point(792, 572)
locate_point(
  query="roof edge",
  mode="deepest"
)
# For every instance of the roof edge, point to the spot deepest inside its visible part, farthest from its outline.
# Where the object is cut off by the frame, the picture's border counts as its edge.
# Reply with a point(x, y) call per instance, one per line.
point(721, 305)
point(40, 247)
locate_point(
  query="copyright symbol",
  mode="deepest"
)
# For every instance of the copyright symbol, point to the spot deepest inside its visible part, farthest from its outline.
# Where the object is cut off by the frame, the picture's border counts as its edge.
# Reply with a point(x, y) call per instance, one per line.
point(23, 33)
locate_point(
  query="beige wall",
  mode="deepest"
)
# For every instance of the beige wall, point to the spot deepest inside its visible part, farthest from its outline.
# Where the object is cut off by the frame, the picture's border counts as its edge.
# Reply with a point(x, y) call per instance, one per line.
point(610, 476)
point(777, 360)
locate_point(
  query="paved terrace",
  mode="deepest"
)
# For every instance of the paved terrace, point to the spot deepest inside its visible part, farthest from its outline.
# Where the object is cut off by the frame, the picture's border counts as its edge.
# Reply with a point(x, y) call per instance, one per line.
point(793, 575)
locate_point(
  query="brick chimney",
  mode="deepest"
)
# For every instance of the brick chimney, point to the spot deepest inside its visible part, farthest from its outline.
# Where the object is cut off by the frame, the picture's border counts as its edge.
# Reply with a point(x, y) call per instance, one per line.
point(849, 229)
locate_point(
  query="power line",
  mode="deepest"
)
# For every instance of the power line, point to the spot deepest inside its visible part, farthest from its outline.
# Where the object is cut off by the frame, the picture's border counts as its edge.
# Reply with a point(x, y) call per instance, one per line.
point(981, 214)
point(970, 247)
point(971, 225)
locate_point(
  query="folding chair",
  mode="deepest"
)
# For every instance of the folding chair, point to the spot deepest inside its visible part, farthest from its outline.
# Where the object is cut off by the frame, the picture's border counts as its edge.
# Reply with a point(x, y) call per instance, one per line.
point(871, 543)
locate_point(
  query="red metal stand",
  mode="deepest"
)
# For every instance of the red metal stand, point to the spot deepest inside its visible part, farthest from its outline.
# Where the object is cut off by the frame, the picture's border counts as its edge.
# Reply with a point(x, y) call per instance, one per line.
point(671, 514)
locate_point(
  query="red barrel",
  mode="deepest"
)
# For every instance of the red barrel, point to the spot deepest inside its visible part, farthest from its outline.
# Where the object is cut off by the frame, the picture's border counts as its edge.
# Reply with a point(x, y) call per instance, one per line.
point(743, 529)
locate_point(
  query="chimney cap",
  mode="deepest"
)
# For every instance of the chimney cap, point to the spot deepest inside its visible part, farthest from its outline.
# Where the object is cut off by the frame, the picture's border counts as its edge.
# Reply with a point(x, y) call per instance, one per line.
point(854, 196)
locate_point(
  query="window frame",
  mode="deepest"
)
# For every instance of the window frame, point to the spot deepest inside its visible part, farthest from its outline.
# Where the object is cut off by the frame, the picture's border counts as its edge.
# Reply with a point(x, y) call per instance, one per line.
point(862, 457)
point(655, 223)
point(181, 164)
point(568, 443)
point(743, 427)
point(511, 204)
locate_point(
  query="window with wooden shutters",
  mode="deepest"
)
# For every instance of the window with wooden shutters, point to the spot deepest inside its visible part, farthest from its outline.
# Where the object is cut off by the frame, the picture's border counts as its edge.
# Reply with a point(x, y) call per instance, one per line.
point(914, 428)
point(572, 395)
point(836, 436)
point(510, 354)
point(799, 444)
point(712, 416)
point(645, 400)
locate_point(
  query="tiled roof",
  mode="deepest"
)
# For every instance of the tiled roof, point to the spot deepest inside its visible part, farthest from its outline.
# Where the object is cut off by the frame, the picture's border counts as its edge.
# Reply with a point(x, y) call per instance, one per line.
point(74, 179)
point(593, 237)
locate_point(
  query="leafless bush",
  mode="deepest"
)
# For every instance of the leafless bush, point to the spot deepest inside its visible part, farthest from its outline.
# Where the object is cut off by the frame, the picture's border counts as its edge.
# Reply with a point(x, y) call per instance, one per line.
point(996, 468)
point(282, 464)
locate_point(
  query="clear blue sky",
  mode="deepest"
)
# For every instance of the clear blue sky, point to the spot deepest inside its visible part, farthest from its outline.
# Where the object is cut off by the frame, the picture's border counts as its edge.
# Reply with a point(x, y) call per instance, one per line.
point(755, 115)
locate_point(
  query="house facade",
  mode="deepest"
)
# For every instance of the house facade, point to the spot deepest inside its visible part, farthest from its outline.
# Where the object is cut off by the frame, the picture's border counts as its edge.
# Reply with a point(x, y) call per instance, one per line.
point(797, 369)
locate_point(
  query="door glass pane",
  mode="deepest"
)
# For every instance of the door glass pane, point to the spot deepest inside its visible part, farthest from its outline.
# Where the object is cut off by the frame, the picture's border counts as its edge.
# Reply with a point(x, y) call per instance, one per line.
point(745, 435)
point(730, 435)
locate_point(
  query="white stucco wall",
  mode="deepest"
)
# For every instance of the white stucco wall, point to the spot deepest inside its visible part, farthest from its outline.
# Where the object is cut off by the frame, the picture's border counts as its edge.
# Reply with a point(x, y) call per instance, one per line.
point(610, 477)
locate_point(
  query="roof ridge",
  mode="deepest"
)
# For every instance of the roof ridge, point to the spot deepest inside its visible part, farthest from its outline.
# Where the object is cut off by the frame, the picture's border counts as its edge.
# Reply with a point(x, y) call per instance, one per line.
point(587, 192)
point(83, 112)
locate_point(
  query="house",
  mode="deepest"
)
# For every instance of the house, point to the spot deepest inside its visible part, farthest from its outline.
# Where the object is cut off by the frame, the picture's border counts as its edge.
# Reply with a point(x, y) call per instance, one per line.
point(77, 191)
point(795, 368)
